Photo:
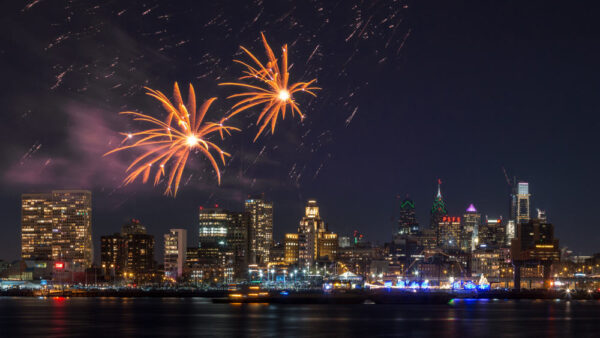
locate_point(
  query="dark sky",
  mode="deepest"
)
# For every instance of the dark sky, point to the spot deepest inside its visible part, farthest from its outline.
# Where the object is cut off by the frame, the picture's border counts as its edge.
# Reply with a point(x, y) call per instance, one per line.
point(412, 92)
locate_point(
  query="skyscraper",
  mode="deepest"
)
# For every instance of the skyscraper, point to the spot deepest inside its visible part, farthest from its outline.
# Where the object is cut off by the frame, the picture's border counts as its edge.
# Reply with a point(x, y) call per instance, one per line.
point(237, 240)
point(470, 229)
point(449, 232)
point(308, 231)
point(58, 226)
point(215, 251)
point(523, 204)
point(36, 227)
point(261, 229)
point(438, 210)
point(407, 223)
point(113, 255)
point(139, 252)
point(175, 252)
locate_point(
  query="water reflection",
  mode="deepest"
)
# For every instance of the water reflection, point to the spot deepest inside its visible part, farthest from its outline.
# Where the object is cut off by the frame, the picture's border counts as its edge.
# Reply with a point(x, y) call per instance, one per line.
point(54, 317)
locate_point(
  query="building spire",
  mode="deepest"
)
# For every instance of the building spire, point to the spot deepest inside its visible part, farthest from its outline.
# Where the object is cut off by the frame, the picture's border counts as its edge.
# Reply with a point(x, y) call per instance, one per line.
point(439, 193)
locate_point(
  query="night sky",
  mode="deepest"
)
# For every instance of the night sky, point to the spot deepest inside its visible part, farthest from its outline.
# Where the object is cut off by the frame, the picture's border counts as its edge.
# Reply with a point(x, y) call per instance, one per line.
point(412, 92)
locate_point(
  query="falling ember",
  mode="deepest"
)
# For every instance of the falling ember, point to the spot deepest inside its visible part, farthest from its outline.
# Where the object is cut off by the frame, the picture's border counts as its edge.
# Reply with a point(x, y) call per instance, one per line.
point(275, 95)
point(165, 144)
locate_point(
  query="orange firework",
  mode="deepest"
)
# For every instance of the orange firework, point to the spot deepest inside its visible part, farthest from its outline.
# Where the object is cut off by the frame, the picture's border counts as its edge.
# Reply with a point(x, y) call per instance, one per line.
point(276, 95)
point(164, 142)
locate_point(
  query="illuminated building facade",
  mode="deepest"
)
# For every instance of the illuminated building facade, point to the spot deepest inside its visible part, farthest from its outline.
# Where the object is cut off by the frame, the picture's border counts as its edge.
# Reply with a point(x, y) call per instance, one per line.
point(58, 226)
point(36, 227)
point(493, 262)
point(407, 223)
point(175, 253)
point(438, 209)
point(449, 230)
point(471, 222)
point(291, 249)
point(237, 240)
point(261, 229)
point(313, 242)
point(112, 255)
point(139, 253)
point(308, 234)
point(492, 233)
point(534, 244)
point(328, 246)
point(214, 250)
point(523, 203)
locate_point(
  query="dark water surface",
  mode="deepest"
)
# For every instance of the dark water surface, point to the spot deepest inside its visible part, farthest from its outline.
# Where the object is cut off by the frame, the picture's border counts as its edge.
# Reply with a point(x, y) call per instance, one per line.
point(185, 317)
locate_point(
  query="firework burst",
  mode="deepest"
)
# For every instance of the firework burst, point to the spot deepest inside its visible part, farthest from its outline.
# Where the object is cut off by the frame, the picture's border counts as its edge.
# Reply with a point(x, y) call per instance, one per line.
point(169, 143)
point(275, 94)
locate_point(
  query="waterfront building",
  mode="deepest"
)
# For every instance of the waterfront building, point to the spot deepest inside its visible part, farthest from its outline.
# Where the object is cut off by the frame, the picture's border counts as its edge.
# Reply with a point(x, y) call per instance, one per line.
point(261, 229)
point(112, 256)
point(313, 242)
point(407, 223)
point(438, 210)
point(327, 246)
point(277, 253)
point(214, 251)
point(139, 253)
point(491, 262)
point(291, 249)
point(402, 252)
point(237, 240)
point(357, 259)
point(175, 253)
point(534, 243)
point(310, 227)
point(57, 226)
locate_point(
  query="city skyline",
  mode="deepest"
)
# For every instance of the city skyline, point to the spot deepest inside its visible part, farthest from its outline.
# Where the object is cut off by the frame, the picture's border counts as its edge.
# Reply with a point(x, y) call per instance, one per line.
point(452, 218)
point(391, 120)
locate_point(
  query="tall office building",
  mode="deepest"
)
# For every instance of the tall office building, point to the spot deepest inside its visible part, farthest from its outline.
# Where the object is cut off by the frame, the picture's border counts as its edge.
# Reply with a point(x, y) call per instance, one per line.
point(175, 253)
point(291, 249)
point(492, 233)
point(313, 241)
point(58, 226)
point(308, 231)
point(438, 209)
point(212, 232)
point(470, 229)
point(261, 229)
point(449, 232)
point(36, 227)
point(113, 255)
point(523, 203)
point(139, 252)
point(237, 240)
point(407, 224)
point(214, 249)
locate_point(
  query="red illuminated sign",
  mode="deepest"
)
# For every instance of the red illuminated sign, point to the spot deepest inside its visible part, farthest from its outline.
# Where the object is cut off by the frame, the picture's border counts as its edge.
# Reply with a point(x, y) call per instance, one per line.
point(59, 265)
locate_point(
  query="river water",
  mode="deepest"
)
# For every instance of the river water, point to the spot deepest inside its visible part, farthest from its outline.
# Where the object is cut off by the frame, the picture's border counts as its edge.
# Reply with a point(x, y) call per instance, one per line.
point(188, 317)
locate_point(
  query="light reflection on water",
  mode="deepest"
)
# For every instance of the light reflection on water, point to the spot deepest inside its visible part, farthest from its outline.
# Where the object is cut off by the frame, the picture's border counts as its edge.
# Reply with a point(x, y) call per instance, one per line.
point(73, 317)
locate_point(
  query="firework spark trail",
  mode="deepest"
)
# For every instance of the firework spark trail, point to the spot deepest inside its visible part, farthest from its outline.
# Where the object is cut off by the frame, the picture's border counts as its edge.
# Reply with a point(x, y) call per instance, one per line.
point(277, 96)
point(166, 145)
